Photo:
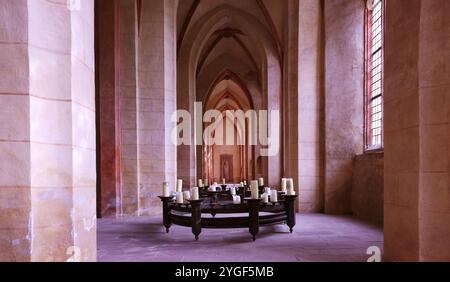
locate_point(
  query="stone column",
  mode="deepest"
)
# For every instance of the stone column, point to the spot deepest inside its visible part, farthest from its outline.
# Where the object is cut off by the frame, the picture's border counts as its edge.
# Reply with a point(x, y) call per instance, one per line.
point(310, 104)
point(15, 184)
point(417, 138)
point(108, 77)
point(84, 184)
point(304, 103)
point(47, 137)
point(344, 98)
point(128, 106)
point(434, 104)
point(156, 102)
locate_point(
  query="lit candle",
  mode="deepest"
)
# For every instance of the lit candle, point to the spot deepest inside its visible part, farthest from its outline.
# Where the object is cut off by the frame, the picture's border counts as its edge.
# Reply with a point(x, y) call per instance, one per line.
point(179, 185)
point(290, 186)
point(180, 198)
point(242, 184)
point(166, 190)
point(195, 195)
point(200, 183)
point(274, 196)
point(233, 191)
point(186, 196)
point(236, 200)
point(261, 181)
point(254, 189)
point(283, 185)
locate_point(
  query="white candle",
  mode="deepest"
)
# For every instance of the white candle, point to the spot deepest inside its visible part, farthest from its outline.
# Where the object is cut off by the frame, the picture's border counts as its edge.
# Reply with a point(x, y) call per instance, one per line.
point(290, 186)
point(233, 191)
point(236, 200)
point(223, 181)
point(265, 198)
point(274, 196)
point(267, 190)
point(205, 183)
point(195, 195)
point(245, 182)
point(283, 184)
point(166, 190)
point(213, 188)
point(261, 181)
point(254, 189)
point(200, 183)
point(242, 184)
point(180, 198)
point(179, 185)
point(186, 196)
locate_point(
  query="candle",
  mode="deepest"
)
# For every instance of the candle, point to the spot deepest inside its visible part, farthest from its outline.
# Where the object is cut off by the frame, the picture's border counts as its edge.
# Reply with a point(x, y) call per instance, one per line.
point(205, 183)
point(179, 185)
point(290, 186)
point(186, 196)
point(200, 183)
point(283, 184)
point(254, 189)
point(233, 191)
point(195, 195)
point(274, 196)
point(223, 181)
point(236, 200)
point(242, 184)
point(180, 198)
point(166, 190)
point(267, 190)
point(265, 198)
point(245, 182)
point(213, 188)
point(261, 181)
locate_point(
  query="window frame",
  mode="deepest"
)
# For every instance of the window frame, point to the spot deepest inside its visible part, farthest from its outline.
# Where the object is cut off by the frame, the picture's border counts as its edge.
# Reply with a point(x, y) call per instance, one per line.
point(368, 146)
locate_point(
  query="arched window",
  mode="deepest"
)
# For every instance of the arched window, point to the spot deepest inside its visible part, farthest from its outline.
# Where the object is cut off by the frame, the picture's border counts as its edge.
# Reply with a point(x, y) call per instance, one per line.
point(374, 75)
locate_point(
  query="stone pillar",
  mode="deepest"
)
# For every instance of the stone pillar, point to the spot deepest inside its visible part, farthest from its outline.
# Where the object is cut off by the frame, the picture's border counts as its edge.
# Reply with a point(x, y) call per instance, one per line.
point(84, 184)
point(156, 89)
point(401, 131)
point(128, 107)
point(344, 98)
point(304, 103)
point(15, 184)
point(310, 107)
point(108, 64)
point(417, 138)
point(434, 105)
point(47, 137)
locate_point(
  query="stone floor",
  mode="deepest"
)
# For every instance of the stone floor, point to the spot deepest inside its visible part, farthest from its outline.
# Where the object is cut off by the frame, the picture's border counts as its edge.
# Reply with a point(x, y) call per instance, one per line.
point(316, 237)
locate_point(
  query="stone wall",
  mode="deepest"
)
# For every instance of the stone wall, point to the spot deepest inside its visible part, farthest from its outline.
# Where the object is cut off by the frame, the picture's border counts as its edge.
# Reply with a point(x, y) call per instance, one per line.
point(344, 92)
point(367, 187)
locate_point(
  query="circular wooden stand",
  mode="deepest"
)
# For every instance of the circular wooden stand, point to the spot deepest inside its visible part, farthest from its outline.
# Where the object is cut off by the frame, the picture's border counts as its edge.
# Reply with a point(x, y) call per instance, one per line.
point(190, 214)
